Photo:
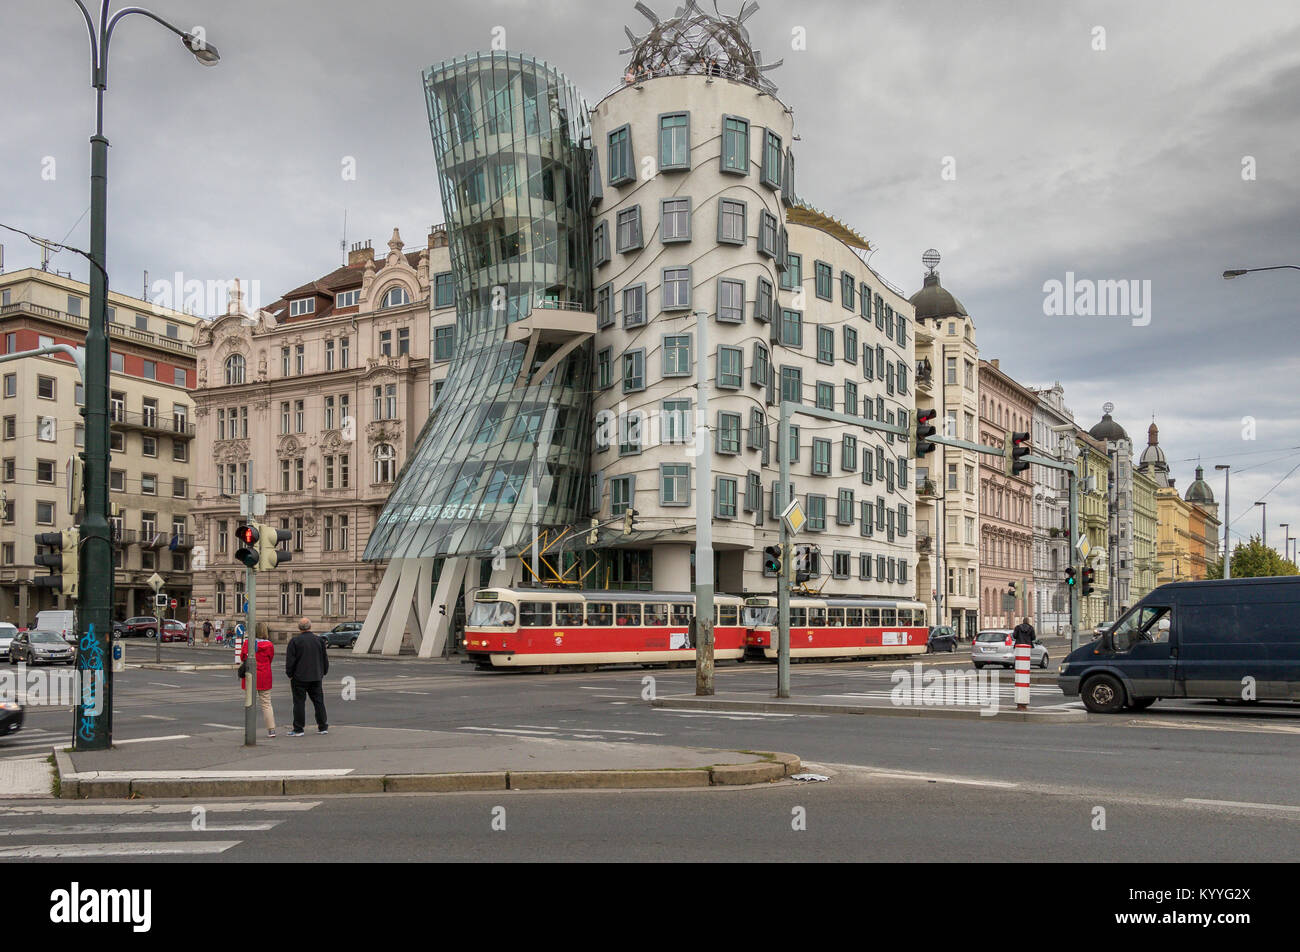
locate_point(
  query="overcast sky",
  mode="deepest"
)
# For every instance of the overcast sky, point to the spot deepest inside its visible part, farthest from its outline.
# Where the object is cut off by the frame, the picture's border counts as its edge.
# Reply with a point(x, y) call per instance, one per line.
point(1129, 162)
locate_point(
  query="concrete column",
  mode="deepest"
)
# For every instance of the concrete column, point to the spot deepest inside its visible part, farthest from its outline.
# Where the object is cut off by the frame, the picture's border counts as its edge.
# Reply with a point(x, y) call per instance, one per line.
point(671, 567)
point(379, 605)
point(438, 624)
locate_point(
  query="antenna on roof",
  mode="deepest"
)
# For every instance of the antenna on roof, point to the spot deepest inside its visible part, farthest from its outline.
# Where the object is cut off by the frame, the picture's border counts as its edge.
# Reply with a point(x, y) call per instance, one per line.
point(343, 242)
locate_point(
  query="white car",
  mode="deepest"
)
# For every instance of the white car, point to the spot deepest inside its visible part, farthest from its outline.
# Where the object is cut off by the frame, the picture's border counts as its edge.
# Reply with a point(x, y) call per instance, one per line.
point(998, 646)
point(7, 632)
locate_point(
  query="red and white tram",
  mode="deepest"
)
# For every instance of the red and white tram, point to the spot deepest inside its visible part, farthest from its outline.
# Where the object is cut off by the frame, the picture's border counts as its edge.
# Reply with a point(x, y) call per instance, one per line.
point(830, 627)
point(551, 628)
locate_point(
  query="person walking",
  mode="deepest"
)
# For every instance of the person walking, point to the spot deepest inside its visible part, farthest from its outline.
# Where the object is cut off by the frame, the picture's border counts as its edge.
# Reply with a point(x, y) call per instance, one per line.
point(1024, 633)
point(265, 654)
point(306, 663)
point(207, 631)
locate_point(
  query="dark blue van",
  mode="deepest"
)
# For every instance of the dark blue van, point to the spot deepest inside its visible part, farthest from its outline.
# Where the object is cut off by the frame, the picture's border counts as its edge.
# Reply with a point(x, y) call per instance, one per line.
point(1235, 639)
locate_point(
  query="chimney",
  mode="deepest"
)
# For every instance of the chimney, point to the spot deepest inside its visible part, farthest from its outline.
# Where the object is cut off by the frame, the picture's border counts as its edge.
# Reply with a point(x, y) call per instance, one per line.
point(438, 236)
point(994, 364)
point(360, 253)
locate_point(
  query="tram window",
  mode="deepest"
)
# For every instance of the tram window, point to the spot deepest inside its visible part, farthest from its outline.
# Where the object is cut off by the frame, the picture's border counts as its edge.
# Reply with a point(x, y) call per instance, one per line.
point(835, 617)
point(568, 614)
point(683, 613)
point(729, 615)
point(907, 616)
point(854, 617)
point(628, 614)
point(656, 615)
point(888, 617)
point(798, 618)
point(817, 617)
point(871, 617)
point(492, 615)
point(600, 614)
point(535, 614)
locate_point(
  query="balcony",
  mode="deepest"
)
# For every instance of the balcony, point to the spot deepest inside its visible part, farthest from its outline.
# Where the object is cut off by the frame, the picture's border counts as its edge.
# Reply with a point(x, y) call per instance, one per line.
point(926, 489)
point(924, 376)
point(120, 331)
point(924, 545)
point(177, 428)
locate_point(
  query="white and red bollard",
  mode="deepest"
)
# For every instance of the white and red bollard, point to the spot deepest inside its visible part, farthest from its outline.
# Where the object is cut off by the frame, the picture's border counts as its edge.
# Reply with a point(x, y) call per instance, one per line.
point(1022, 677)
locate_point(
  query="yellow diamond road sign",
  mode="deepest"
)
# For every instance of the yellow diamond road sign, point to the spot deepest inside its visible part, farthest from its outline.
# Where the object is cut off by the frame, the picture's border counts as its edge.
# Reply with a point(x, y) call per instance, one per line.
point(794, 517)
point(1083, 546)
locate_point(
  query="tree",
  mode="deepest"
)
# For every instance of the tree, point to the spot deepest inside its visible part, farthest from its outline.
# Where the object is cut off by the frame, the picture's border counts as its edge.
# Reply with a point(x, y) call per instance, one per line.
point(1253, 559)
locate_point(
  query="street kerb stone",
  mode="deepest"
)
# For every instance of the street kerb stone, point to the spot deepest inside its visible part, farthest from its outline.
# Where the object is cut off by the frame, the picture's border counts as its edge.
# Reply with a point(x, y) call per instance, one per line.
point(446, 782)
point(212, 787)
point(607, 779)
point(736, 774)
point(103, 789)
point(312, 786)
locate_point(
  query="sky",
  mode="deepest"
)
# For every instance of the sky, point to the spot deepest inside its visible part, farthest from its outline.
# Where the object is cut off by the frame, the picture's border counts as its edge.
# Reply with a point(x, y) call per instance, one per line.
point(1150, 142)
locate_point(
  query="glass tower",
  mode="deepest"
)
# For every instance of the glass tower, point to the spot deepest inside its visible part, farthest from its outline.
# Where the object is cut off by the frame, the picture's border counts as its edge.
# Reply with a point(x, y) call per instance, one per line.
point(512, 424)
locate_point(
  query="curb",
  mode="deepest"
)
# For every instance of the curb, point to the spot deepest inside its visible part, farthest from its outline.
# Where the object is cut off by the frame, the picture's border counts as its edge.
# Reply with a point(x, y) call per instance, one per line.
point(181, 666)
point(775, 766)
point(797, 707)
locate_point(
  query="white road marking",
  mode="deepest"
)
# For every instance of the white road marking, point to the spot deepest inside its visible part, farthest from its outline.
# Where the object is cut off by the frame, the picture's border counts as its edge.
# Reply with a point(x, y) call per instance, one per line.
point(1242, 803)
point(421, 693)
point(156, 717)
point(69, 850)
point(702, 712)
point(108, 829)
point(146, 740)
point(504, 730)
point(228, 727)
point(163, 684)
point(129, 807)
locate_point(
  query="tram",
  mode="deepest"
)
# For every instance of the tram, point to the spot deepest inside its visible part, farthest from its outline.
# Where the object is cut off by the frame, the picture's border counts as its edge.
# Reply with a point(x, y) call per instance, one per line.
point(557, 628)
point(832, 627)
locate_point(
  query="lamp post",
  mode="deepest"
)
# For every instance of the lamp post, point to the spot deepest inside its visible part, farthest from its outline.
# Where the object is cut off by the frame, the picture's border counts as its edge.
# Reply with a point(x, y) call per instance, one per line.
point(1227, 556)
point(1286, 540)
point(1263, 523)
point(93, 717)
point(1238, 272)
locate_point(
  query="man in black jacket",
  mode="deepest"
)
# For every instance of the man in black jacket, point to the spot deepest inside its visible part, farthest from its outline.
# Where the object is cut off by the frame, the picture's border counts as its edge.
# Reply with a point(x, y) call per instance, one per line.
point(1024, 633)
point(306, 663)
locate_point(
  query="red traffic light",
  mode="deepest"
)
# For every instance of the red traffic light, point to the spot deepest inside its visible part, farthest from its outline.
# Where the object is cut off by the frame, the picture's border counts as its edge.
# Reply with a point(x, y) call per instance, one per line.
point(246, 534)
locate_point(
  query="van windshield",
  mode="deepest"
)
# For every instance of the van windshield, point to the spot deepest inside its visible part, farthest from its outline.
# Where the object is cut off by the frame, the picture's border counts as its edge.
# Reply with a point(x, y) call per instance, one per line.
point(1149, 623)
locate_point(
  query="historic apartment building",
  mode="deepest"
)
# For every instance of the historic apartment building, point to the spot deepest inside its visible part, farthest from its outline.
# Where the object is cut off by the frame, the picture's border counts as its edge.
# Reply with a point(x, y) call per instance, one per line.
point(1052, 554)
point(1094, 521)
point(1187, 527)
point(1132, 527)
point(152, 439)
point(316, 401)
point(1006, 507)
point(947, 498)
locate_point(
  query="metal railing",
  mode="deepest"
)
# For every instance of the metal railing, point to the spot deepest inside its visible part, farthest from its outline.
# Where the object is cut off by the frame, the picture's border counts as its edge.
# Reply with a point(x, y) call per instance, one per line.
point(154, 422)
point(115, 329)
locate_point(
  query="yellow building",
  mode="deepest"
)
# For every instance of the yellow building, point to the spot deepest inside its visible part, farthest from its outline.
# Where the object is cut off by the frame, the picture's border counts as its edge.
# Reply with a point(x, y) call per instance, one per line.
point(1145, 519)
point(1094, 469)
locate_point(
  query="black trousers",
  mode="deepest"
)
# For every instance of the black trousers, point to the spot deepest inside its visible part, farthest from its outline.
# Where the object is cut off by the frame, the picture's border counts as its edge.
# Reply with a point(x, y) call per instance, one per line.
point(301, 691)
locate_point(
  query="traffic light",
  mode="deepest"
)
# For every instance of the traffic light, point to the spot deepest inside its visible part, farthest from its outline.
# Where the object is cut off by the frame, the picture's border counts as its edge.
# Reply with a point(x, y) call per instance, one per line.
point(1011, 590)
point(924, 430)
point(629, 514)
point(64, 573)
point(806, 556)
point(247, 553)
point(269, 553)
point(1088, 576)
point(772, 560)
point(1070, 580)
point(1014, 445)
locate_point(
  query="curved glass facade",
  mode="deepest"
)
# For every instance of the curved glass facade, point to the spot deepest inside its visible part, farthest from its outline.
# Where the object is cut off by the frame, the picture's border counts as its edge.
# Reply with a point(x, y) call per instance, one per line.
point(512, 144)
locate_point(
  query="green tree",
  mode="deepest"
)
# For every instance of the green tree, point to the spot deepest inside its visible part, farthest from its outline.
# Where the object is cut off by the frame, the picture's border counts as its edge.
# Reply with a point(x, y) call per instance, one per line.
point(1253, 559)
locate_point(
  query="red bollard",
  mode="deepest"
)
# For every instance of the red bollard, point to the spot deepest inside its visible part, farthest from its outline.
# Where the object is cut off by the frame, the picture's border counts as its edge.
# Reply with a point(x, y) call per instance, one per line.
point(1022, 677)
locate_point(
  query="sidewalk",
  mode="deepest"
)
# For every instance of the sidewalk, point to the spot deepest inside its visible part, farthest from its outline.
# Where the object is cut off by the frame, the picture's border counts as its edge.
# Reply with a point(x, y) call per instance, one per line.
point(384, 760)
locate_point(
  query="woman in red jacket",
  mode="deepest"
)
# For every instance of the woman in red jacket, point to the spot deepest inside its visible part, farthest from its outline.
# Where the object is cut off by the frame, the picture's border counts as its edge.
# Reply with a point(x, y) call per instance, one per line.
point(265, 654)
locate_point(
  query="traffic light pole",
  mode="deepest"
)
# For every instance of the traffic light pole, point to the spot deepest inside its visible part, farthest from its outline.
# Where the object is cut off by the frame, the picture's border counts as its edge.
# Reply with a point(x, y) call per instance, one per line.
point(1074, 549)
point(787, 560)
point(703, 517)
point(250, 643)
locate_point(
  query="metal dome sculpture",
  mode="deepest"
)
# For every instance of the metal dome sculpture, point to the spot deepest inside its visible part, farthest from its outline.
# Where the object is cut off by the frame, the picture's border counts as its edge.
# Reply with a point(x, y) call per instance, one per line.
point(694, 41)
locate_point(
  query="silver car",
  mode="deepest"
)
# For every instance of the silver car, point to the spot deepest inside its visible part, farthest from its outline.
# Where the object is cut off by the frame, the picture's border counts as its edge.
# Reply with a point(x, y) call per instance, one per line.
point(7, 632)
point(998, 646)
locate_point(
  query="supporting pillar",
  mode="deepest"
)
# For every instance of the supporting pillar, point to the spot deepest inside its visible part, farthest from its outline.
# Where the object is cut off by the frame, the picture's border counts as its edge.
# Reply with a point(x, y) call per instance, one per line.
point(438, 624)
point(379, 605)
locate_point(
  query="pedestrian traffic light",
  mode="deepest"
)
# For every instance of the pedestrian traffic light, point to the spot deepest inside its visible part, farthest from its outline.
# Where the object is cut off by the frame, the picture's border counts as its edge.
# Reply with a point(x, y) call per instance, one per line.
point(772, 560)
point(1015, 445)
point(248, 553)
point(1011, 590)
point(270, 554)
point(64, 572)
point(924, 430)
point(1070, 580)
point(1088, 576)
point(629, 514)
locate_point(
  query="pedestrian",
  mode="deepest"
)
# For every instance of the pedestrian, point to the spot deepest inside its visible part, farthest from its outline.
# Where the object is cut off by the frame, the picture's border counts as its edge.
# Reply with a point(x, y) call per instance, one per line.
point(306, 664)
point(221, 631)
point(207, 631)
point(1024, 633)
point(264, 655)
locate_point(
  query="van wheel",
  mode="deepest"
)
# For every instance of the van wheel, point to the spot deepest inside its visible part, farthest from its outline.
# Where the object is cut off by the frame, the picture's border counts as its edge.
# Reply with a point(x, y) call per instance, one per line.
point(1103, 694)
point(978, 664)
point(1141, 703)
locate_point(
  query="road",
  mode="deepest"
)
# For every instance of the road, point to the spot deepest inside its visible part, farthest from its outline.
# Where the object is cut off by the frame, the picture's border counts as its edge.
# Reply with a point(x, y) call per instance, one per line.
point(1185, 781)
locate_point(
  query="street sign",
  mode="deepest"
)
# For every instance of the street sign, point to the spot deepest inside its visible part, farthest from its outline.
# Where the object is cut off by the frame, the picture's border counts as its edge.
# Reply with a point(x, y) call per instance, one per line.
point(160, 600)
point(794, 517)
point(156, 581)
point(1083, 546)
point(173, 603)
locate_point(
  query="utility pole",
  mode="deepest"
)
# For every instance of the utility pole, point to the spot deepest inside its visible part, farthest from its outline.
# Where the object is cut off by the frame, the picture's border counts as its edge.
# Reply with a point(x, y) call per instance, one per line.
point(1227, 555)
point(703, 515)
point(787, 559)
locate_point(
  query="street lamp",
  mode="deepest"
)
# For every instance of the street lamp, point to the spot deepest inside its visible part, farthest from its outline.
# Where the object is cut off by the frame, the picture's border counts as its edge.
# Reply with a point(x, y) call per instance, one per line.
point(1263, 523)
point(1227, 559)
point(1286, 540)
point(1238, 272)
point(93, 722)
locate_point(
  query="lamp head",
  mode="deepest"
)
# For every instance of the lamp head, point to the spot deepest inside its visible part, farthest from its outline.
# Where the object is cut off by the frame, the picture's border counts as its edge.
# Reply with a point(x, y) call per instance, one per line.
point(203, 51)
point(1236, 273)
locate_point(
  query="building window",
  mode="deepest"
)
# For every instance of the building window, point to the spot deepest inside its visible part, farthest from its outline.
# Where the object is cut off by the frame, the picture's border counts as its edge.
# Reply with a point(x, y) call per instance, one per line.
point(674, 484)
point(634, 306)
point(677, 355)
point(148, 446)
point(299, 417)
point(674, 141)
point(735, 145)
point(825, 345)
point(629, 435)
point(763, 301)
point(728, 433)
point(347, 298)
point(634, 371)
point(816, 513)
point(824, 279)
point(302, 306)
point(791, 328)
point(604, 368)
point(731, 301)
point(731, 221)
point(726, 498)
point(674, 220)
point(676, 289)
point(792, 276)
point(767, 234)
point(760, 367)
point(847, 284)
point(284, 361)
point(403, 344)
point(444, 289)
point(821, 461)
point(444, 342)
point(825, 396)
point(770, 174)
point(676, 420)
point(621, 491)
point(345, 351)
point(234, 369)
point(605, 305)
point(792, 384)
point(385, 463)
point(629, 229)
point(45, 388)
point(395, 297)
point(620, 156)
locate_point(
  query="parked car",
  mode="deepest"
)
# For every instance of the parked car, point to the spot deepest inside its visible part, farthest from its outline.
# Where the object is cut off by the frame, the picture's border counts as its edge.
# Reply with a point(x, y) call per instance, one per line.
point(40, 646)
point(7, 633)
point(62, 620)
point(174, 630)
point(998, 646)
point(140, 625)
point(942, 638)
point(1209, 639)
point(11, 718)
point(342, 636)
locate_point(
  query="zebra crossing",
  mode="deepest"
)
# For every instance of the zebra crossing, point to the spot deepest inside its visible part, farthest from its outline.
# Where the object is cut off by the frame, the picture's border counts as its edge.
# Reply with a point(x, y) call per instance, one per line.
point(34, 742)
point(137, 829)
